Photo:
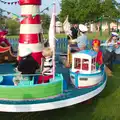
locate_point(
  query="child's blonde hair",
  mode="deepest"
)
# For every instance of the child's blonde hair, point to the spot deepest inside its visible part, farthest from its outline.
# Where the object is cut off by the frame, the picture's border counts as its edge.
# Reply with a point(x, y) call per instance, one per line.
point(48, 51)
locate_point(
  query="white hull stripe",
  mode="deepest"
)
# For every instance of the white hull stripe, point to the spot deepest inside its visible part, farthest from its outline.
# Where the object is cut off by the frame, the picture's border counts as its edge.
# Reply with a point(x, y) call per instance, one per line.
point(30, 9)
point(51, 105)
point(34, 47)
point(30, 28)
point(91, 81)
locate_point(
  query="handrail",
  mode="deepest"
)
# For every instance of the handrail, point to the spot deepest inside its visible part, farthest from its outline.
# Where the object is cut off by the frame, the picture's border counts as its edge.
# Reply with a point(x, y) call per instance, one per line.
point(16, 74)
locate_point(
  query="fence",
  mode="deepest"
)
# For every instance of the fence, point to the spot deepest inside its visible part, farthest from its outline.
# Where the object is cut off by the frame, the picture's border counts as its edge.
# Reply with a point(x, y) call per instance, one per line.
point(61, 44)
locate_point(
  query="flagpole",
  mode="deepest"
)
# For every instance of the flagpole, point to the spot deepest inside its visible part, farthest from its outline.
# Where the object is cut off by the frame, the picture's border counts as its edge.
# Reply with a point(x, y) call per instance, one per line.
point(54, 12)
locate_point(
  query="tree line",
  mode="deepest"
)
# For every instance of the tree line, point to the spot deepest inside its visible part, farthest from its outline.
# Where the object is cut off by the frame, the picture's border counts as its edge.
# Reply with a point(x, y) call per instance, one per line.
point(13, 25)
point(82, 11)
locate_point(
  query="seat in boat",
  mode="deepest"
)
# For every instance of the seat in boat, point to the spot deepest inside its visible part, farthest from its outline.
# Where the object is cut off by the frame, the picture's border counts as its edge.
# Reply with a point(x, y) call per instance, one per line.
point(26, 81)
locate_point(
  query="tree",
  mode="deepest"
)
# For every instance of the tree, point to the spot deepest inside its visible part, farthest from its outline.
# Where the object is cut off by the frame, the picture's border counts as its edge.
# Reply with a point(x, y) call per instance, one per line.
point(80, 11)
point(13, 26)
point(45, 22)
point(109, 9)
point(1, 18)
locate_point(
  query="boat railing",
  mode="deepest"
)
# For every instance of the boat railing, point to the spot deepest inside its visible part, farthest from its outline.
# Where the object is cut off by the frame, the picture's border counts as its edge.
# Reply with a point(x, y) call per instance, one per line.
point(25, 75)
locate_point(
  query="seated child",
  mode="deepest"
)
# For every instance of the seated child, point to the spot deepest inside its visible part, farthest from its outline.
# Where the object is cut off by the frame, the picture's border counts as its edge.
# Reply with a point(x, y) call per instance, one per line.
point(47, 72)
point(27, 64)
point(3, 39)
point(96, 48)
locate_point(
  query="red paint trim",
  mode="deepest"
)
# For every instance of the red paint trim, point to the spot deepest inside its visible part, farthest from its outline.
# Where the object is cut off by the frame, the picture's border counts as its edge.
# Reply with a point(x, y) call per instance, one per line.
point(30, 2)
point(31, 20)
point(88, 86)
point(29, 38)
point(37, 56)
point(4, 49)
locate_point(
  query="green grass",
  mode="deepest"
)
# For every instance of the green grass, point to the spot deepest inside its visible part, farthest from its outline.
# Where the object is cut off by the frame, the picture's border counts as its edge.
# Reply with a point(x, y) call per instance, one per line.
point(90, 36)
point(45, 35)
point(105, 106)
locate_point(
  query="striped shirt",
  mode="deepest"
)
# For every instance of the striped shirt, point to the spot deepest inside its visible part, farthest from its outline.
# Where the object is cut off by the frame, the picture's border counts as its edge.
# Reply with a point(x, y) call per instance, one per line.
point(48, 63)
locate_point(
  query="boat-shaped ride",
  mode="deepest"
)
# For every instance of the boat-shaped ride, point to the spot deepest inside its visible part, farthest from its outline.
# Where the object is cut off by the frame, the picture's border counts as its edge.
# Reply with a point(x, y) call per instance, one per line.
point(71, 86)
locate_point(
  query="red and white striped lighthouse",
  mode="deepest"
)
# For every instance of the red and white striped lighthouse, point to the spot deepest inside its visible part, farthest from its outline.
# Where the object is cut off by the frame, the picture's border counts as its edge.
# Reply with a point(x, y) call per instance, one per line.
point(30, 28)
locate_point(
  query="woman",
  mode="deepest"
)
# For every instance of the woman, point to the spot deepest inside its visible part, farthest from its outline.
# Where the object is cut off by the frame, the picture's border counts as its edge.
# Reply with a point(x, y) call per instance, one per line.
point(109, 55)
point(82, 40)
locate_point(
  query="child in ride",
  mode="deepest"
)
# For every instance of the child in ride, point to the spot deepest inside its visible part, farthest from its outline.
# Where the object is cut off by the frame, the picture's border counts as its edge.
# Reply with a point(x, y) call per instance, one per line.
point(3, 41)
point(47, 72)
point(96, 48)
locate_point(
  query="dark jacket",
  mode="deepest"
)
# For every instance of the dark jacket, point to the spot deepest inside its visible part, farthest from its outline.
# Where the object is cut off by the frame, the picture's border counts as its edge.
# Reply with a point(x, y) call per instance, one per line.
point(28, 65)
point(74, 32)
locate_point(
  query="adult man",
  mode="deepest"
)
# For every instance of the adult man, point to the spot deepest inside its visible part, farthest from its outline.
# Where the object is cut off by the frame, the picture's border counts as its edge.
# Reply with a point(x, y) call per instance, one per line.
point(74, 32)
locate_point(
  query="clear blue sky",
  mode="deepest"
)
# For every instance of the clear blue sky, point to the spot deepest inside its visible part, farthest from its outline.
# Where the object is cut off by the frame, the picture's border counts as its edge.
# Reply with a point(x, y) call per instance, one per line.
point(16, 8)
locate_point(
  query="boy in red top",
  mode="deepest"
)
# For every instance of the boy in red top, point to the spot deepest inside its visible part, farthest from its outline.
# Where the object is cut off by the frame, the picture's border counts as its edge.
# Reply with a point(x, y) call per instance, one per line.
point(96, 48)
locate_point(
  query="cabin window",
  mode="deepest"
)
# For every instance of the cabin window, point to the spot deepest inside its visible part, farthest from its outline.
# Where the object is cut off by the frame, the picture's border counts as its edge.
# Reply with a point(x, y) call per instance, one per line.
point(85, 64)
point(93, 64)
point(77, 63)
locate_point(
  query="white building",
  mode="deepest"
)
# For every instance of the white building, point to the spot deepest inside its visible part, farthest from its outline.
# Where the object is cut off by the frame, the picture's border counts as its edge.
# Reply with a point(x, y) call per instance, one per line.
point(94, 27)
point(59, 27)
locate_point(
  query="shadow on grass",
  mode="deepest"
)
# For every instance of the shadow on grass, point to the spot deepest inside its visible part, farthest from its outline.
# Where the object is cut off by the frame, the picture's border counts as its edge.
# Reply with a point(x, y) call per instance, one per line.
point(113, 83)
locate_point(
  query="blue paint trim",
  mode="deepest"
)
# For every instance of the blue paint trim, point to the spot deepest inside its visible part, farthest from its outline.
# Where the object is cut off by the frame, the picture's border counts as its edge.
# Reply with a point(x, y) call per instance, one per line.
point(89, 52)
point(76, 80)
point(65, 86)
point(75, 76)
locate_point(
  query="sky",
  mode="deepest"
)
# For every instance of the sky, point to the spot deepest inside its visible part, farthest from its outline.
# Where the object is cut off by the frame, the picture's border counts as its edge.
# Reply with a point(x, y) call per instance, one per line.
point(45, 3)
point(16, 8)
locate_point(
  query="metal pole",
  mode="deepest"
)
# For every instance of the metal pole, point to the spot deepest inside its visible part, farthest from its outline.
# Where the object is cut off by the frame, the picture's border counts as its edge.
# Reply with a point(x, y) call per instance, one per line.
point(117, 24)
point(108, 27)
point(101, 19)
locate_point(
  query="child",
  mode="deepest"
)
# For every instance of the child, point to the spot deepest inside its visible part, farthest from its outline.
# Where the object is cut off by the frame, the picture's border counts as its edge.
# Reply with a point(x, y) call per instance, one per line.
point(96, 48)
point(3, 40)
point(47, 72)
point(27, 64)
point(110, 52)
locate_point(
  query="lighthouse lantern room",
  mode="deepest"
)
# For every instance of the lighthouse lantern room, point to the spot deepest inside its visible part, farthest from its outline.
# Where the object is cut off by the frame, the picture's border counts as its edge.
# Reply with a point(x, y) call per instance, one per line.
point(84, 62)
